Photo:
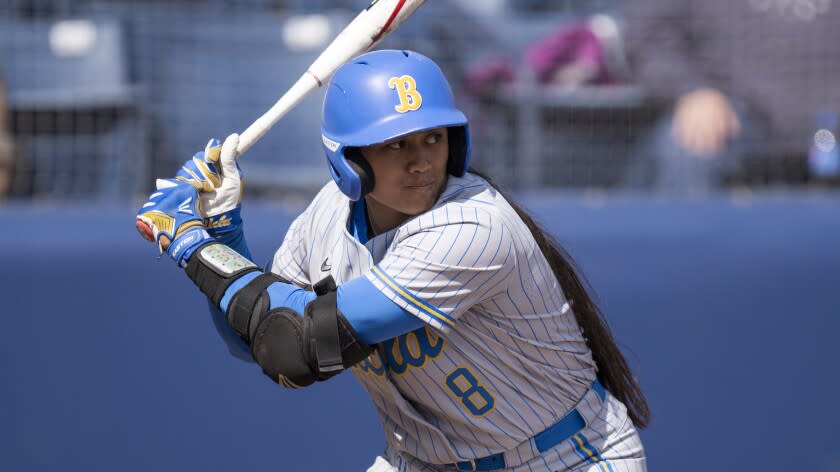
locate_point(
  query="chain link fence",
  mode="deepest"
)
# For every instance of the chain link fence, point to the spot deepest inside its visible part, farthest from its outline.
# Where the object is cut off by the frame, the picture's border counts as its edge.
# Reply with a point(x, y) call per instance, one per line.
point(102, 96)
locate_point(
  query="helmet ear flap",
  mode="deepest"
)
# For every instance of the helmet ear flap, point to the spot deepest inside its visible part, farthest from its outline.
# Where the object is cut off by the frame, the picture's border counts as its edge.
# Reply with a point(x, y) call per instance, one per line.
point(457, 151)
point(362, 168)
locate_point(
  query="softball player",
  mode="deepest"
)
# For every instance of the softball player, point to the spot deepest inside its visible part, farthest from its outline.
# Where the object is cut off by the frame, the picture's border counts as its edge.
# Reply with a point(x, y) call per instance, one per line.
point(466, 324)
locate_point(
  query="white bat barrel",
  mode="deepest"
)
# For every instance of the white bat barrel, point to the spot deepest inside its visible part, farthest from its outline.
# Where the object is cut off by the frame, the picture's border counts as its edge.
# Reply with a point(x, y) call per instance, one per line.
point(364, 32)
point(303, 87)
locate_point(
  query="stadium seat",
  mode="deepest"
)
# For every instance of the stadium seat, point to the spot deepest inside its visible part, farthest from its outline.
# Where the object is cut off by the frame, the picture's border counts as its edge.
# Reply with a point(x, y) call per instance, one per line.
point(213, 85)
point(208, 84)
point(75, 114)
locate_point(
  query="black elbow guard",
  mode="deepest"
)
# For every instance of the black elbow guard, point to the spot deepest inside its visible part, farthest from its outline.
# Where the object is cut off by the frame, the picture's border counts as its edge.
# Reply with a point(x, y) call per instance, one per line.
point(296, 351)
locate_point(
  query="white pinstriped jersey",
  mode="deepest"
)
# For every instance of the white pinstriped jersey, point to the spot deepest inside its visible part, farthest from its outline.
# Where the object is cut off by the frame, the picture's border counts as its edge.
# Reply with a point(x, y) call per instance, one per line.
point(501, 357)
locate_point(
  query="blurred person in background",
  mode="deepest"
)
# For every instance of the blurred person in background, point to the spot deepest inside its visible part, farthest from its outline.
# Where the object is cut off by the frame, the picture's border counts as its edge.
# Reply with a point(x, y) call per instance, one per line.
point(6, 148)
point(745, 82)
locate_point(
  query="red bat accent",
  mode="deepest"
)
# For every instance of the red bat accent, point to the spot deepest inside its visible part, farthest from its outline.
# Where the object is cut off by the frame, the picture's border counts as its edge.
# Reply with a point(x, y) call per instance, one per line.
point(144, 230)
point(314, 77)
point(390, 20)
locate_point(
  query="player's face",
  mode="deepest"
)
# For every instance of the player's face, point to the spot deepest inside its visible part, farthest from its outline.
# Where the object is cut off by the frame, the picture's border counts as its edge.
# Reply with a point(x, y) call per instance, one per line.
point(409, 173)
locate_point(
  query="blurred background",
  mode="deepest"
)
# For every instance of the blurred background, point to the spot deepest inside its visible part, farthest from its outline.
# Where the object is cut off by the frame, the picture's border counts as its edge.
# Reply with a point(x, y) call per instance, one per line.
point(684, 152)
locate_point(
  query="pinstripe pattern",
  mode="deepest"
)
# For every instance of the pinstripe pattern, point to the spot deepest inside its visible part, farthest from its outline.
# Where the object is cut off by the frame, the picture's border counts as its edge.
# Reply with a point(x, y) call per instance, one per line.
point(502, 357)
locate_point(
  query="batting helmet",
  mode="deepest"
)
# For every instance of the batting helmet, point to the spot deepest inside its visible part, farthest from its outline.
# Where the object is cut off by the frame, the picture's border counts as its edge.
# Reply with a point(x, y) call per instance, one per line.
point(382, 95)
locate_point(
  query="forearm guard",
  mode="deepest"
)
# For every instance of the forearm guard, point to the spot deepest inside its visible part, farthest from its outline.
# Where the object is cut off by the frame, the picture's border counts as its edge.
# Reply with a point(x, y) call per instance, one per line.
point(213, 267)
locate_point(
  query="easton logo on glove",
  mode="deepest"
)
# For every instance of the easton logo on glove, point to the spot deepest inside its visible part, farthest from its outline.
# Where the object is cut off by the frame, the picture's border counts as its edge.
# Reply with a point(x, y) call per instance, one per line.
point(184, 207)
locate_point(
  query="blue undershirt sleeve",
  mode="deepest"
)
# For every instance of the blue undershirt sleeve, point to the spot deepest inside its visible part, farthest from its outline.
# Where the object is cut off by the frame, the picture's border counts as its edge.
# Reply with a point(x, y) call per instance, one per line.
point(289, 296)
point(280, 294)
point(373, 315)
point(236, 346)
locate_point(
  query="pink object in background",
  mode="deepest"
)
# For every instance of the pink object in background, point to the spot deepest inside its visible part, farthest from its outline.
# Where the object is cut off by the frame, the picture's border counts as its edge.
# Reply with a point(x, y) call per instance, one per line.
point(572, 55)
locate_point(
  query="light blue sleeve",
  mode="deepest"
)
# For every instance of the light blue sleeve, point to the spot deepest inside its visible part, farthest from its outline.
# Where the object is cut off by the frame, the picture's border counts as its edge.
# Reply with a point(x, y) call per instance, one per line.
point(236, 346)
point(280, 294)
point(373, 315)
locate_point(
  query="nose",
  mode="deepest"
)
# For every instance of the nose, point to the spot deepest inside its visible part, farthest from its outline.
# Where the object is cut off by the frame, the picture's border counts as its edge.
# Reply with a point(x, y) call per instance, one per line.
point(418, 161)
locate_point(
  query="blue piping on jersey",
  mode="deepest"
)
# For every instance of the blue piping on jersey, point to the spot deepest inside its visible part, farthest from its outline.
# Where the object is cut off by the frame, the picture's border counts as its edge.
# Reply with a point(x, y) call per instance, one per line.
point(415, 301)
point(589, 453)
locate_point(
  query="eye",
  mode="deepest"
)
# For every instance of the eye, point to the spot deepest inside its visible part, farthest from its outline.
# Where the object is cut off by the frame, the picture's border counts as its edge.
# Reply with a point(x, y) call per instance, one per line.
point(433, 138)
point(396, 145)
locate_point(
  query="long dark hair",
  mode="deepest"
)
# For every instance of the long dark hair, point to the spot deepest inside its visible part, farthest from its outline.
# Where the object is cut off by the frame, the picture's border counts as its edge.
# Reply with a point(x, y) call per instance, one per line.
point(613, 370)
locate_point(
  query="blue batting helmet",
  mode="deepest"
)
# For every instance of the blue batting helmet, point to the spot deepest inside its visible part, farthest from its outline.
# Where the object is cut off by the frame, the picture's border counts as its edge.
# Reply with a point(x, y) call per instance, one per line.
point(382, 95)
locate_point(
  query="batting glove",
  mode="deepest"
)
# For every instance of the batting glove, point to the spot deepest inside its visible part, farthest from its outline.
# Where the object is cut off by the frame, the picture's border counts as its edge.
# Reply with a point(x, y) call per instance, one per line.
point(172, 213)
point(217, 176)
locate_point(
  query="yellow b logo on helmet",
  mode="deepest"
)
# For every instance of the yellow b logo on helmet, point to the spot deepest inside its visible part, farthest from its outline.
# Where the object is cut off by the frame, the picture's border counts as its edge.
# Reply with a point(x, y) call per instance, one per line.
point(406, 87)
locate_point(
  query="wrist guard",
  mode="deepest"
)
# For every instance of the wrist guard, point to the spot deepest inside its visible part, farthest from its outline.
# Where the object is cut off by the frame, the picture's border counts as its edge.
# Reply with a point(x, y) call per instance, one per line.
point(213, 267)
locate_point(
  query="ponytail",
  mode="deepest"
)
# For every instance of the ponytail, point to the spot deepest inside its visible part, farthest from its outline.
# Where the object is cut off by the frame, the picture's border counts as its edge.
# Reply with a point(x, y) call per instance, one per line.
point(613, 371)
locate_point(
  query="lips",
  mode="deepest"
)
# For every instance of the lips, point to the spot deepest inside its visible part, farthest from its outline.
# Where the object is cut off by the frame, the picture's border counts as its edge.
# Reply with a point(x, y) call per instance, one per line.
point(422, 185)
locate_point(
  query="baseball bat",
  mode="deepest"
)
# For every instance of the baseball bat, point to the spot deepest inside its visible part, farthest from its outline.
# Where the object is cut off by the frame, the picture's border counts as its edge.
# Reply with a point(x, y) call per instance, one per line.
point(365, 31)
